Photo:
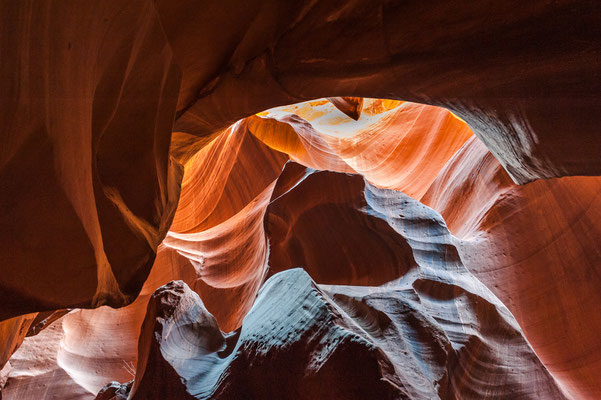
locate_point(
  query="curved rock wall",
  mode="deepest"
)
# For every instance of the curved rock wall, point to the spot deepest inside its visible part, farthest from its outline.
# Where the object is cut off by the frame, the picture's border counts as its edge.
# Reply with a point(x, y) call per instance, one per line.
point(88, 188)
point(91, 174)
point(438, 319)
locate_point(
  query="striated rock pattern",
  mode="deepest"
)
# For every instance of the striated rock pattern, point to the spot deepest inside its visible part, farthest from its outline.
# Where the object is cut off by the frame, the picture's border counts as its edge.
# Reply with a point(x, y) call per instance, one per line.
point(520, 75)
point(333, 254)
point(109, 110)
point(535, 247)
point(223, 265)
point(437, 332)
point(218, 229)
point(88, 188)
point(12, 334)
point(388, 146)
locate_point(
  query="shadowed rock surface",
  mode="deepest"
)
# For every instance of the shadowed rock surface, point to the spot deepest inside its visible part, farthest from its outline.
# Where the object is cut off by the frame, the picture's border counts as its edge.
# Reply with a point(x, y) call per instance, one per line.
point(88, 187)
point(104, 106)
point(521, 75)
point(436, 332)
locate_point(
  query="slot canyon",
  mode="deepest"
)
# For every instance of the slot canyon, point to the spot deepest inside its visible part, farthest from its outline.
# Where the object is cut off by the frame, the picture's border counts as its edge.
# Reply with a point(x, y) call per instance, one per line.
point(309, 199)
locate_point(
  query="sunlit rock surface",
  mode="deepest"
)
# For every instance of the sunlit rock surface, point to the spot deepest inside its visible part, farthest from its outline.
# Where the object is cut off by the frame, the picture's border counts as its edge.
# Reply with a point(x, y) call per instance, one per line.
point(285, 212)
point(437, 332)
point(395, 145)
point(106, 107)
point(522, 75)
point(535, 247)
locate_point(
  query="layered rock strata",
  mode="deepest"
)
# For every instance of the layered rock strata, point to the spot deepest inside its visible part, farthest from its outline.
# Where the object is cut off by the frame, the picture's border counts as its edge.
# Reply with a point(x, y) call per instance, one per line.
point(436, 332)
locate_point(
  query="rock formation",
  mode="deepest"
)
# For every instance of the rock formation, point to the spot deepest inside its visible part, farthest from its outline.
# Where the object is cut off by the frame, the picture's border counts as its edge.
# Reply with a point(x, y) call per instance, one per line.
point(310, 342)
point(226, 144)
point(88, 188)
point(520, 75)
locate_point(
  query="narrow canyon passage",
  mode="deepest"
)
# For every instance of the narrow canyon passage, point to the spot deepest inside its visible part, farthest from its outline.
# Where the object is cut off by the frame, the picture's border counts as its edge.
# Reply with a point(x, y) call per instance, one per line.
point(347, 200)
point(254, 204)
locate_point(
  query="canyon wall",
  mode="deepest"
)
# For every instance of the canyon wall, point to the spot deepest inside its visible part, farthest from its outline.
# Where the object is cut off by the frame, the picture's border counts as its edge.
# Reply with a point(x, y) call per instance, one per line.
point(223, 145)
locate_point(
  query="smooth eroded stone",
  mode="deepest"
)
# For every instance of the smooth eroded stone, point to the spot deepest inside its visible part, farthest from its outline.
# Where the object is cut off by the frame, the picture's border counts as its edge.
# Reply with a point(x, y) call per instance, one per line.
point(435, 332)
point(88, 188)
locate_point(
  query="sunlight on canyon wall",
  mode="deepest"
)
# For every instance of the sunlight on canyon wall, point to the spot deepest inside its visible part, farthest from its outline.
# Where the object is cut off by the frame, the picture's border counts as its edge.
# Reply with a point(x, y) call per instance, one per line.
point(251, 214)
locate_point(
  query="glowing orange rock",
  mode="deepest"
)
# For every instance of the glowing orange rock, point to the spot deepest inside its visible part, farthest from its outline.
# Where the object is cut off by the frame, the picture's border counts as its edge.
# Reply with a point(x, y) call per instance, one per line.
point(419, 336)
point(402, 146)
point(520, 75)
point(534, 247)
point(90, 92)
point(223, 259)
point(223, 178)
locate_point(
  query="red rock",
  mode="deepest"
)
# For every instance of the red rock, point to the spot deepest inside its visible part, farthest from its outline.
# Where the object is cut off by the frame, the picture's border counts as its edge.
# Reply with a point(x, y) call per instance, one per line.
point(520, 75)
point(301, 340)
point(90, 175)
point(351, 106)
point(322, 223)
point(534, 247)
point(88, 188)
point(400, 146)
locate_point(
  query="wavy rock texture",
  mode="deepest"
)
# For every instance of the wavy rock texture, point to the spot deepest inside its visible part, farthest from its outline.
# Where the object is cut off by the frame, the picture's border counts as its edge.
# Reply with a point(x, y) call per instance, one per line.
point(352, 245)
point(520, 75)
point(223, 263)
point(520, 241)
point(438, 319)
point(35, 371)
point(86, 348)
point(469, 190)
point(401, 146)
point(218, 228)
point(534, 247)
point(90, 172)
point(223, 178)
point(12, 333)
point(88, 188)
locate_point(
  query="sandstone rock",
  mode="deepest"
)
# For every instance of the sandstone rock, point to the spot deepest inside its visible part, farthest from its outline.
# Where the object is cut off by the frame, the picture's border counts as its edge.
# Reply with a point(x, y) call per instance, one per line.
point(88, 188)
point(520, 75)
point(435, 332)
point(351, 106)
point(90, 174)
